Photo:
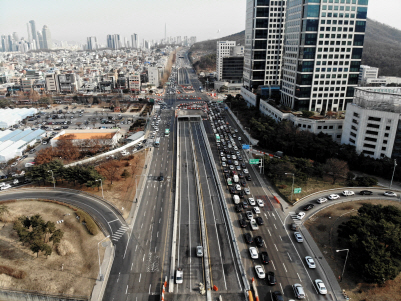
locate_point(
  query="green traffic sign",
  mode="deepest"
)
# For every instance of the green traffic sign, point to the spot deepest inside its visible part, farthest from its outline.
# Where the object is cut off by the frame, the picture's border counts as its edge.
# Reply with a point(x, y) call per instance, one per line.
point(253, 161)
point(297, 190)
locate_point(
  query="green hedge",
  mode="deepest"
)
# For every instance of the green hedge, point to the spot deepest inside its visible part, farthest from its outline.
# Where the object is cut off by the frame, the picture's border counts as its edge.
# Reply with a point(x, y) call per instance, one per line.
point(89, 222)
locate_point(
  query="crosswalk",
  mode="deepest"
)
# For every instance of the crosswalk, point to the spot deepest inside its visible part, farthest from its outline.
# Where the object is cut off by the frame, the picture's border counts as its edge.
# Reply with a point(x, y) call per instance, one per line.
point(294, 217)
point(120, 232)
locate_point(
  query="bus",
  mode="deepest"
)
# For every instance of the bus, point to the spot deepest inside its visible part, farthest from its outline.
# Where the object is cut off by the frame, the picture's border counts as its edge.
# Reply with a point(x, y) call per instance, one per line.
point(157, 142)
point(217, 138)
point(166, 132)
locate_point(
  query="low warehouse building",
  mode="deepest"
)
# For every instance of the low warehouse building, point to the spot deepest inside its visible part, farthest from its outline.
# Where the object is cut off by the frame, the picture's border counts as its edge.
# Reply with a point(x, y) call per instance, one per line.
point(103, 137)
point(10, 117)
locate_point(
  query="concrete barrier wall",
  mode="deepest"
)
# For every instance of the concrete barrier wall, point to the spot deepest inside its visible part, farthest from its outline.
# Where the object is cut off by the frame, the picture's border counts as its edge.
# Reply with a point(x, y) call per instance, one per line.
point(10, 295)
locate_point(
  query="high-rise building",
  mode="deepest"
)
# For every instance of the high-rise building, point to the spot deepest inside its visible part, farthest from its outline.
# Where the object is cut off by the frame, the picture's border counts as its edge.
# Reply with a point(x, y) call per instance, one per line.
point(40, 41)
point(47, 40)
point(322, 53)
point(29, 30)
point(134, 41)
point(91, 43)
point(15, 37)
point(4, 43)
point(223, 50)
point(113, 41)
point(264, 33)
point(33, 31)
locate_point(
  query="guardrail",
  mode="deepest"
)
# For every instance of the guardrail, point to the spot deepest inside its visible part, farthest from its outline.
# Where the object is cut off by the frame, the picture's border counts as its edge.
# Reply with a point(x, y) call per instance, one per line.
point(226, 214)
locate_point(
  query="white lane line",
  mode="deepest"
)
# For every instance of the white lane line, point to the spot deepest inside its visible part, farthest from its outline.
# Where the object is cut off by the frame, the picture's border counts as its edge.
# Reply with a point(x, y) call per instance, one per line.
point(161, 209)
point(276, 247)
point(141, 225)
point(157, 234)
point(289, 256)
point(273, 215)
point(126, 290)
point(275, 226)
point(143, 258)
point(132, 265)
point(285, 268)
point(269, 232)
point(281, 289)
point(140, 276)
point(150, 285)
point(280, 238)
point(160, 220)
point(136, 247)
point(274, 267)
point(144, 214)
point(299, 277)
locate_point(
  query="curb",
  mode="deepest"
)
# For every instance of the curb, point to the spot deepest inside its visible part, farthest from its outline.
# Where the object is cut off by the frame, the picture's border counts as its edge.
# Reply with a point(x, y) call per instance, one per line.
point(101, 285)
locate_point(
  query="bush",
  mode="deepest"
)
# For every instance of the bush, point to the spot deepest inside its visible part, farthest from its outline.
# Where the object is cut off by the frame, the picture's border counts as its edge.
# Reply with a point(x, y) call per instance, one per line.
point(17, 274)
point(88, 221)
point(282, 186)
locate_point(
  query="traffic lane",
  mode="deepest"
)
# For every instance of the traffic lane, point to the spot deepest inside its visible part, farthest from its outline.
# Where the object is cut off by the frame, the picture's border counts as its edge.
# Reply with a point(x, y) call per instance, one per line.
point(223, 275)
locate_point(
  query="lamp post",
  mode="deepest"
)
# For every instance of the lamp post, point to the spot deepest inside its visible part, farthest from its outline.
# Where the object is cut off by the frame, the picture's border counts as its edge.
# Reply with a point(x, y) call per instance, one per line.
point(101, 185)
point(54, 182)
point(395, 164)
point(136, 186)
point(346, 257)
point(292, 189)
point(98, 254)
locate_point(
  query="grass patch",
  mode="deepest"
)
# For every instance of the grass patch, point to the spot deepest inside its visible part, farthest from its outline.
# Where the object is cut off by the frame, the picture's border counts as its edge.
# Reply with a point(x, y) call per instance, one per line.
point(322, 228)
point(86, 219)
point(18, 274)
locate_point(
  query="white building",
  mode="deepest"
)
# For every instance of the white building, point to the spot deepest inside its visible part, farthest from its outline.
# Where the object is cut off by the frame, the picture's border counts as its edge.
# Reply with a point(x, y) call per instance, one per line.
point(367, 73)
point(134, 82)
point(9, 117)
point(372, 122)
point(154, 76)
point(223, 50)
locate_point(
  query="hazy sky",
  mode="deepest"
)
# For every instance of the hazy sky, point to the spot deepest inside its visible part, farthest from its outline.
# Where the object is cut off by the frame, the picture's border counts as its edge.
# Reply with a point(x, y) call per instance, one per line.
point(74, 20)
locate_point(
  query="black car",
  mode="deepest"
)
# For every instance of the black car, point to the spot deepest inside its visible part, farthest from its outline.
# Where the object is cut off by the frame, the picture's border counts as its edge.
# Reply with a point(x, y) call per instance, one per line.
point(265, 257)
point(239, 158)
point(226, 170)
point(277, 296)
point(248, 238)
point(238, 208)
point(259, 241)
point(308, 207)
point(243, 165)
point(227, 175)
point(241, 194)
point(243, 183)
point(271, 279)
point(245, 204)
point(240, 175)
point(248, 178)
point(243, 223)
point(365, 192)
point(232, 190)
point(259, 220)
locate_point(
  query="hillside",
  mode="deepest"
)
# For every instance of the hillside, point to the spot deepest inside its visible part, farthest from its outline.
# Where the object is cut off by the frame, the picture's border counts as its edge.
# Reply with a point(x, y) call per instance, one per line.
point(382, 47)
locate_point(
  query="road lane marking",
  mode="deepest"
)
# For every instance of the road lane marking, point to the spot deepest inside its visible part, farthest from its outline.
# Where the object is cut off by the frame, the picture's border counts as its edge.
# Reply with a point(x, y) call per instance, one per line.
point(157, 234)
point(136, 247)
point(118, 278)
point(144, 214)
point(126, 289)
point(141, 225)
point(140, 276)
point(276, 247)
point(299, 277)
point(143, 258)
point(273, 215)
point(289, 256)
point(274, 267)
point(275, 226)
point(132, 265)
point(285, 268)
point(160, 220)
point(269, 232)
point(281, 289)
point(280, 238)
point(150, 285)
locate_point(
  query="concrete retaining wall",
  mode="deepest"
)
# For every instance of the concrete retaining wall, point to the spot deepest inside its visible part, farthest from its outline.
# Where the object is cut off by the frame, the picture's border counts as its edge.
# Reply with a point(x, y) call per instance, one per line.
point(35, 296)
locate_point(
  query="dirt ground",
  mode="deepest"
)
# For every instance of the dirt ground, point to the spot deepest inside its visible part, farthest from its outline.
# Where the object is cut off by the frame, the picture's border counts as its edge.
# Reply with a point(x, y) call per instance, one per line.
point(323, 228)
point(80, 262)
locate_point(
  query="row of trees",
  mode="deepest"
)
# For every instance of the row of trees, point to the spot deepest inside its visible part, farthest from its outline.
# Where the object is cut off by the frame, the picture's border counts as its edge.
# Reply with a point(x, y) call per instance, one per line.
point(36, 233)
point(374, 239)
point(284, 136)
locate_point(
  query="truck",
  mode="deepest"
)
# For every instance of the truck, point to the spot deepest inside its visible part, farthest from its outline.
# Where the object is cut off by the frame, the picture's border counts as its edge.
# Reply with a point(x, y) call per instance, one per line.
point(254, 225)
point(229, 182)
point(236, 178)
point(236, 199)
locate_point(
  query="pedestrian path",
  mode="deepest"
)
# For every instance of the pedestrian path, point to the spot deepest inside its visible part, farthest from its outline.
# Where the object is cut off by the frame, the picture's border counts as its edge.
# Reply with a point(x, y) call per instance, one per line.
point(120, 232)
point(294, 217)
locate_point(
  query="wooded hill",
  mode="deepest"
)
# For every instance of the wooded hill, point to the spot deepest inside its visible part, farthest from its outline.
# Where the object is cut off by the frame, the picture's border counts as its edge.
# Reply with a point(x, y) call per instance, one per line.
point(382, 47)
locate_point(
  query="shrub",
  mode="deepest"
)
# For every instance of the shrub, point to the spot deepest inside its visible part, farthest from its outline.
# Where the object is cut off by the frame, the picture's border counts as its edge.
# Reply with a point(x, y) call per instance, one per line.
point(18, 274)
point(88, 221)
point(282, 186)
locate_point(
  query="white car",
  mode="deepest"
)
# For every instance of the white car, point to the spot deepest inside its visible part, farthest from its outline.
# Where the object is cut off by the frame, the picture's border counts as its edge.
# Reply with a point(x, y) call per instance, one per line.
point(321, 200)
point(310, 262)
point(334, 196)
point(253, 252)
point(390, 193)
point(234, 157)
point(247, 191)
point(4, 187)
point(235, 148)
point(237, 187)
point(348, 193)
point(321, 287)
point(301, 215)
point(260, 203)
point(246, 171)
point(256, 210)
point(260, 272)
point(236, 163)
point(14, 164)
point(224, 164)
point(239, 138)
point(232, 167)
point(298, 237)
point(251, 201)
point(223, 159)
point(179, 276)
point(249, 215)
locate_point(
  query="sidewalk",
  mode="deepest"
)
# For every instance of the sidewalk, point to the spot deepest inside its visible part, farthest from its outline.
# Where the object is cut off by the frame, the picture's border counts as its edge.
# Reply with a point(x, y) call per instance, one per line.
point(108, 259)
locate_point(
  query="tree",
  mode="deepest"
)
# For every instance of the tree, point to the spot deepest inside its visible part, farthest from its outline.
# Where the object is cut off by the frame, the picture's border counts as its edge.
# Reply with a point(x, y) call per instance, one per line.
point(47, 250)
point(56, 236)
point(66, 148)
point(125, 174)
point(336, 168)
point(110, 170)
point(45, 155)
point(36, 247)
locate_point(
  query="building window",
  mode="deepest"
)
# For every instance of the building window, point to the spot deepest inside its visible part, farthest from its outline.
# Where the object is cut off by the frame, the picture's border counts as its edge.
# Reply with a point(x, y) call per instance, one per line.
point(352, 140)
point(354, 121)
point(370, 139)
point(387, 128)
point(338, 136)
point(384, 141)
point(352, 134)
point(369, 145)
point(375, 126)
point(368, 152)
point(331, 127)
point(386, 135)
point(383, 148)
point(372, 133)
point(374, 118)
point(319, 127)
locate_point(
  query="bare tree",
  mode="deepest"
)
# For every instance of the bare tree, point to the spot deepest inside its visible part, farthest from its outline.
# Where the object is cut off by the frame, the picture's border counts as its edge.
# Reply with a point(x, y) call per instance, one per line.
point(336, 168)
point(110, 170)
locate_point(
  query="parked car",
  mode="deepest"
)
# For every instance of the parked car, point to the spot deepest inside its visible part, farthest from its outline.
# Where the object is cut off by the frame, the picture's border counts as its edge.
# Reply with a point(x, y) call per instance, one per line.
point(252, 201)
point(277, 296)
point(265, 257)
point(248, 238)
point(259, 220)
point(301, 215)
point(271, 278)
point(253, 252)
point(243, 223)
point(260, 202)
point(259, 241)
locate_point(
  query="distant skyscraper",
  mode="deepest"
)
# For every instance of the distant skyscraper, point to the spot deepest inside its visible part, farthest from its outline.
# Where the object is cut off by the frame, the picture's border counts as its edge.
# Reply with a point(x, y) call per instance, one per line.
point(110, 41)
point(264, 34)
point(15, 37)
point(39, 45)
point(113, 41)
point(134, 41)
point(34, 34)
point(47, 40)
point(91, 43)
point(4, 43)
point(322, 53)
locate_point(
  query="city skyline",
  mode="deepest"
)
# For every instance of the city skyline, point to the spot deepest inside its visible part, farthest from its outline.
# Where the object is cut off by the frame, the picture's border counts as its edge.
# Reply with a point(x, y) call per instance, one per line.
point(95, 18)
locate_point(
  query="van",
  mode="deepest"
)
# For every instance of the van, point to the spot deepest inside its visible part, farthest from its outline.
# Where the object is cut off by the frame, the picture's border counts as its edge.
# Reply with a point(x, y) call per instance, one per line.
point(298, 291)
point(236, 199)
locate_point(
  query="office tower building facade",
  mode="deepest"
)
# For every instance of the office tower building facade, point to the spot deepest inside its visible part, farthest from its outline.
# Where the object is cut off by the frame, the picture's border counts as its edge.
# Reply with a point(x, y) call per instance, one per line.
point(91, 43)
point(223, 50)
point(113, 41)
point(40, 41)
point(4, 43)
point(264, 35)
point(322, 53)
point(134, 41)
point(47, 39)
point(33, 32)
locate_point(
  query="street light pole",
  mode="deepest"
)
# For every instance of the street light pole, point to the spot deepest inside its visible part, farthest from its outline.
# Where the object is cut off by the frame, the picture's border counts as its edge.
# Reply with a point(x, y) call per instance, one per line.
point(98, 254)
point(395, 164)
point(292, 189)
point(54, 182)
point(101, 185)
point(346, 257)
